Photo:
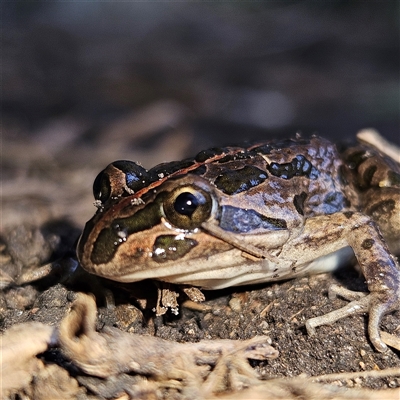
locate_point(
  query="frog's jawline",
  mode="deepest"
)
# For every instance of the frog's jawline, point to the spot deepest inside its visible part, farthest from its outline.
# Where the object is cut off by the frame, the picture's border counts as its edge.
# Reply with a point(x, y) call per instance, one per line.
point(263, 272)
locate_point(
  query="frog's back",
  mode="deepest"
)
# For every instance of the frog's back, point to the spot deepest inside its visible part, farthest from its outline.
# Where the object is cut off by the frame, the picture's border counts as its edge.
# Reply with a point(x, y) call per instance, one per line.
point(372, 184)
point(315, 183)
point(300, 178)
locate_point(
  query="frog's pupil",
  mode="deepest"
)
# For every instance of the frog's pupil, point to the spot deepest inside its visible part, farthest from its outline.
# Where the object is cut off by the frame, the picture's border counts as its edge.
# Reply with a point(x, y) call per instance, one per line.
point(186, 204)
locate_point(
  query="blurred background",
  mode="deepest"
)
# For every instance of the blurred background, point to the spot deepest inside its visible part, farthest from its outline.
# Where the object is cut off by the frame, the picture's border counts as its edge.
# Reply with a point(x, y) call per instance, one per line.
point(86, 83)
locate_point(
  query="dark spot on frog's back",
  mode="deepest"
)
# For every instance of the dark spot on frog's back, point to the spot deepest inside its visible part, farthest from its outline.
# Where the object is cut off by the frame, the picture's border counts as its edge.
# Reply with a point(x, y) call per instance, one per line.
point(201, 170)
point(299, 166)
point(169, 168)
point(369, 174)
point(394, 178)
point(169, 248)
point(280, 144)
point(204, 155)
point(111, 237)
point(382, 208)
point(240, 180)
point(237, 155)
point(355, 159)
point(348, 214)
point(298, 202)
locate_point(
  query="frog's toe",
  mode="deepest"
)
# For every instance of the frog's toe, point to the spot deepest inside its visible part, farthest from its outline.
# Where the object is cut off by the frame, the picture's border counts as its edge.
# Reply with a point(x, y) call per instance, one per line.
point(376, 304)
point(379, 305)
point(375, 337)
point(350, 295)
point(354, 307)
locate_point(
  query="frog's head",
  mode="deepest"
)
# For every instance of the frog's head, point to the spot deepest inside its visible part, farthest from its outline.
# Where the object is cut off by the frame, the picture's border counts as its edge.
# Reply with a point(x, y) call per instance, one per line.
point(175, 225)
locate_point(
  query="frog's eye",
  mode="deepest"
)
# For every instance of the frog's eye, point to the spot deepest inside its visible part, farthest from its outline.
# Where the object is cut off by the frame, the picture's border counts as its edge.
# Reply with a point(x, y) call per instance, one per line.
point(187, 207)
point(102, 187)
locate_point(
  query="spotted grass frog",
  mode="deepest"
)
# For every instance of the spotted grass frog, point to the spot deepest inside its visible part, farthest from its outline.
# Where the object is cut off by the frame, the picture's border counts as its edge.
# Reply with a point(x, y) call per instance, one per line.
point(243, 215)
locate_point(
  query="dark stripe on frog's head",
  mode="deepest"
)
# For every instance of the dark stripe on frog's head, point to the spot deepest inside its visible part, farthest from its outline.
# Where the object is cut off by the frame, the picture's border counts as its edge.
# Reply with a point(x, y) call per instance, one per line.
point(238, 220)
point(239, 180)
point(110, 238)
point(169, 248)
point(89, 226)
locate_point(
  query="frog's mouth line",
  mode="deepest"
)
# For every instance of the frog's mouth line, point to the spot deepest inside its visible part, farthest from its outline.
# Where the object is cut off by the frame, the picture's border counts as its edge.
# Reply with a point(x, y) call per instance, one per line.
point(227, 237)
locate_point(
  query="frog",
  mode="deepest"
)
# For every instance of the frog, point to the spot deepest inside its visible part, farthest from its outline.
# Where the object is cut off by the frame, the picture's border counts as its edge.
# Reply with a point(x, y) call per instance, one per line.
point(259, 213)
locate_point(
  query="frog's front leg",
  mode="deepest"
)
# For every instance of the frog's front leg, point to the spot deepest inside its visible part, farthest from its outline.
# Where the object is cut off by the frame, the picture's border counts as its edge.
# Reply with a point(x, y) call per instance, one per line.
point(382, 273)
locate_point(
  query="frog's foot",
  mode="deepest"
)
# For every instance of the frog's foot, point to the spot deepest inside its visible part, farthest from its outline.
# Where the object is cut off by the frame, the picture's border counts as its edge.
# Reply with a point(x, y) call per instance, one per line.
point(61, 270)
point(376, 304)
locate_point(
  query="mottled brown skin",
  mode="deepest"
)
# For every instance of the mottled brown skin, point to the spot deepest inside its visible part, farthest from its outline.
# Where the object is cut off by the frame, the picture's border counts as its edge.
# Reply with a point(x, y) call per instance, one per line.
point(234, 216)
point(374, 189)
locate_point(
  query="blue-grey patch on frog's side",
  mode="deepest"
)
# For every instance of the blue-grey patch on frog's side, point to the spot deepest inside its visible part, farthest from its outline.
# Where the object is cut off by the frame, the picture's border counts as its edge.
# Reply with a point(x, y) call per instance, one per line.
point(238, 220)
point(110, 238)
point(299, 166)
point(240, 180)
point(171, 247)
point(333, 202)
